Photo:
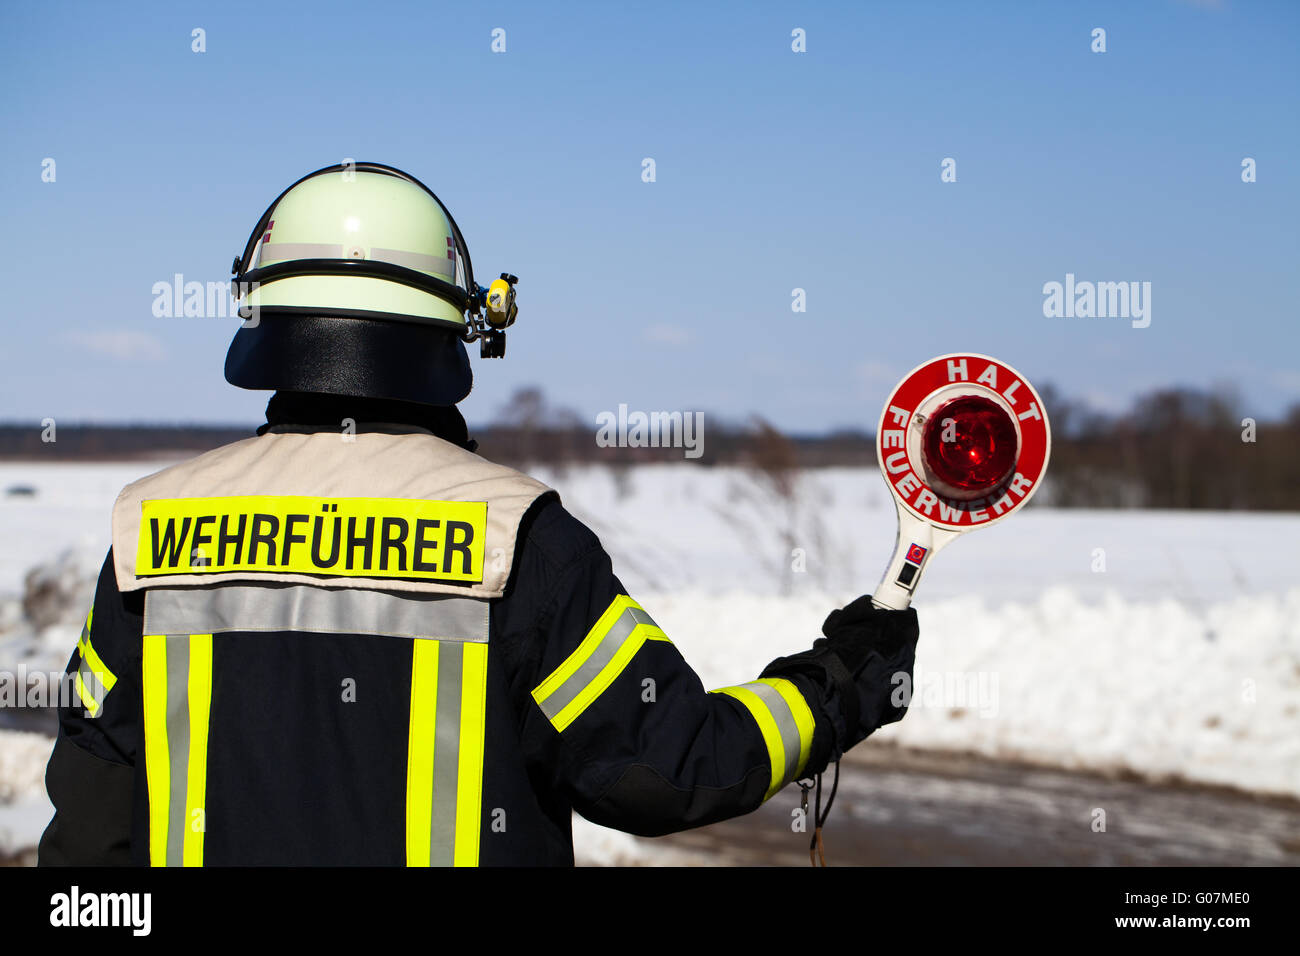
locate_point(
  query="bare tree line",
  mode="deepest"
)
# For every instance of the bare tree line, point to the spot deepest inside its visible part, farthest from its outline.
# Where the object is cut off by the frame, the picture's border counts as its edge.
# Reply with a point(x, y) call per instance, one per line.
point(1172, 448)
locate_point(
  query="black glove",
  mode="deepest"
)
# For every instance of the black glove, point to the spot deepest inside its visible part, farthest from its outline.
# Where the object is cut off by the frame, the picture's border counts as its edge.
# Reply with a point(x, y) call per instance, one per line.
point(855, 668)
point(860, 628)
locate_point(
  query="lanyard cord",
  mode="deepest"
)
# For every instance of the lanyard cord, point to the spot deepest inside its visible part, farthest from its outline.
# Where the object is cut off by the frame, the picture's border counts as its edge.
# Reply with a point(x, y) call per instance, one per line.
point(816, 849)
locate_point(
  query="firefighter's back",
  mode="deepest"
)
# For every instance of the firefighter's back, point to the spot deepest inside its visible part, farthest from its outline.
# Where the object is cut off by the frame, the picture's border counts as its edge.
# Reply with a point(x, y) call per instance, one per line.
point(316, 671)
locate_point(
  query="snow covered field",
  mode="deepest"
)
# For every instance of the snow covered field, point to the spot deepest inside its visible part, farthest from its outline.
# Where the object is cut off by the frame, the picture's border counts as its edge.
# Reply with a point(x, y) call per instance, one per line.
point(1162, 643)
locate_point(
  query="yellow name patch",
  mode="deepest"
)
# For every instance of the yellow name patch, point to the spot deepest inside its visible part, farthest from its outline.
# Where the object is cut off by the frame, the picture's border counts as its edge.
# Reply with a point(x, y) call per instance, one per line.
point(345, 537)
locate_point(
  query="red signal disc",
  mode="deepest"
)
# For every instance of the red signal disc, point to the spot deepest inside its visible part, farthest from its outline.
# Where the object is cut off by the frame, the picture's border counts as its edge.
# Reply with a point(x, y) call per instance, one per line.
point(979, 395)
point(970, 446)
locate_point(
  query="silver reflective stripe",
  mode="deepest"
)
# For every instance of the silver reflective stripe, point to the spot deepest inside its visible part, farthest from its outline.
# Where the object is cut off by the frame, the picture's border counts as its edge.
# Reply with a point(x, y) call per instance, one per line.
point(299, 250)
point(301, 607)
point(416, 260)
point(90, 681)
point(178, 742)
point(604, 652)
point(785, 723)
point(446, 756)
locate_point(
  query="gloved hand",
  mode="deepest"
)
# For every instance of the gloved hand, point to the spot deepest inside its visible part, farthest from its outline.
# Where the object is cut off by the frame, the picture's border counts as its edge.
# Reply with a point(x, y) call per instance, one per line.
point(856, 669)
point(861, 627)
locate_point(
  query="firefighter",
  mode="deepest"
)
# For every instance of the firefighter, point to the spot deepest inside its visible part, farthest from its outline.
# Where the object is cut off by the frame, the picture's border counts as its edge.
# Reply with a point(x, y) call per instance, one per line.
point(352, 640)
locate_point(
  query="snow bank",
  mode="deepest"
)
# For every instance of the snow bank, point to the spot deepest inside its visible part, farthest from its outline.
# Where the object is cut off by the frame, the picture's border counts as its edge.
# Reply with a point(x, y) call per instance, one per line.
point(1159, 688)
point(25, 810)
point(22, 765)
point(670, 527)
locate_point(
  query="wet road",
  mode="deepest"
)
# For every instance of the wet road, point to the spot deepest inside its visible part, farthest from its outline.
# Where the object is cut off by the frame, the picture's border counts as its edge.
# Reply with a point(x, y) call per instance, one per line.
point(911, 808)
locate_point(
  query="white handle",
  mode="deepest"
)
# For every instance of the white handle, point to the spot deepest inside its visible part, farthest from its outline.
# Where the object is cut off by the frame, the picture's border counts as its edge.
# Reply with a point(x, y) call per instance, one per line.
point(915, 545)
point(890, 594)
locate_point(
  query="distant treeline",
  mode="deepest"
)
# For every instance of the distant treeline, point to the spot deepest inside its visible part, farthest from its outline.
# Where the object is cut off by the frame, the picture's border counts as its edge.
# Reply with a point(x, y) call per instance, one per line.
point(1174, 448)
point(112, 442)
point(510, 444)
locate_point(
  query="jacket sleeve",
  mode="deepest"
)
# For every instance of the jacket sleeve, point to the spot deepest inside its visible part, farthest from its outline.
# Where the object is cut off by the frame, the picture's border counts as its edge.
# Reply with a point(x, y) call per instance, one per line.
point(619, 722)
point(91, 777)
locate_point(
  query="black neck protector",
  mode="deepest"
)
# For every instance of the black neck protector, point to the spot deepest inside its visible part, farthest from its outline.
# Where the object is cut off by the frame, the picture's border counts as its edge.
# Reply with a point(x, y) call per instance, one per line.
point(313, 411)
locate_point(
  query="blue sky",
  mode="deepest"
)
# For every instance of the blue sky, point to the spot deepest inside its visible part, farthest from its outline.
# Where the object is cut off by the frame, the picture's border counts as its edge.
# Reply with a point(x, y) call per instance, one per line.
point(775, 171)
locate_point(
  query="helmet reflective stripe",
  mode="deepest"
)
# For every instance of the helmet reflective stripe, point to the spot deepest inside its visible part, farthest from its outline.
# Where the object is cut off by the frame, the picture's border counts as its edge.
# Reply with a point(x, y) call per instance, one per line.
point(279, 251)
point(445, 267)
point(371, 216)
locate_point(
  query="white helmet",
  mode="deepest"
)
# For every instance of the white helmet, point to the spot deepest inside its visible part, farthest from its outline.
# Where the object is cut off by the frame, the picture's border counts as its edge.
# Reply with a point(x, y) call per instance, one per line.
point(362, 284)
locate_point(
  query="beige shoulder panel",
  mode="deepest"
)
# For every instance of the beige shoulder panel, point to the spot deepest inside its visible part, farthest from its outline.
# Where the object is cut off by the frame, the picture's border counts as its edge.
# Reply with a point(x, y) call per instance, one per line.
point(368, 464)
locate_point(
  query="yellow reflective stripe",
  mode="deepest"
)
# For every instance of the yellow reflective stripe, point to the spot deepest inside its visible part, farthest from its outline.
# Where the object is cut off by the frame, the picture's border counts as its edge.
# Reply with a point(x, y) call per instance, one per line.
point(176, 673)
point(585, 649)
point(200, 688)
point(444, 771)
point(469, 781)
point(420, 745)
point(87, 698)
point(803, 717)
point(156, 762)
point(625, 653)
point(767, 727)
point(92, 665)
point(585, 674)
point(100, 669)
